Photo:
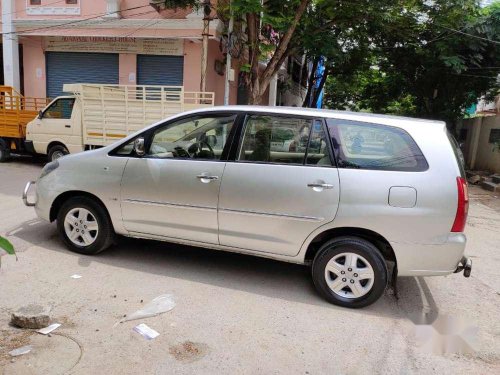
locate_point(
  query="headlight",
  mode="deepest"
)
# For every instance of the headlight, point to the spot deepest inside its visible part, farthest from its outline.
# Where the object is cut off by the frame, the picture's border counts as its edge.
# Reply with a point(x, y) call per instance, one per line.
point(49, 168)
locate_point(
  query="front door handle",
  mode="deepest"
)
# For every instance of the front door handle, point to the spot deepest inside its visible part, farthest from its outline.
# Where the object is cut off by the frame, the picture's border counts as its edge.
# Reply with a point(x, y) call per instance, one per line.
point(205, 178)
point(67, 126)
point(318, 186)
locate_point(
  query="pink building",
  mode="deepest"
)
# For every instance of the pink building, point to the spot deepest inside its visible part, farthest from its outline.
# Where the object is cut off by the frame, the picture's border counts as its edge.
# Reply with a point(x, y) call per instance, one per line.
point(47, 43)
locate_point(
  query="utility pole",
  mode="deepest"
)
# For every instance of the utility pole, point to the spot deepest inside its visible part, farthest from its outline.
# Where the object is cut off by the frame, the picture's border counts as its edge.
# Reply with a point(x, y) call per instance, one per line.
point(228, 56)
point(206, 27)
point(10, 46)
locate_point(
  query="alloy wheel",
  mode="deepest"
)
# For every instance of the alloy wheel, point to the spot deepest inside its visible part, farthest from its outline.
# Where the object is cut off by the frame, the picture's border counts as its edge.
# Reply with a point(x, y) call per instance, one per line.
point(349, 275)
point(81, 227)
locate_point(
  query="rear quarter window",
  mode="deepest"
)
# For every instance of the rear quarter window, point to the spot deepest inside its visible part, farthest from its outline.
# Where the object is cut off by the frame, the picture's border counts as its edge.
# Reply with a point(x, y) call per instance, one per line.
point(363, 145)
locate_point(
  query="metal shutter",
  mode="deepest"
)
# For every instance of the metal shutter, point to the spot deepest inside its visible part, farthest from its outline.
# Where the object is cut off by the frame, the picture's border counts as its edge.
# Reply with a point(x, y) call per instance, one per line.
point(160, 70)
point(78, 67)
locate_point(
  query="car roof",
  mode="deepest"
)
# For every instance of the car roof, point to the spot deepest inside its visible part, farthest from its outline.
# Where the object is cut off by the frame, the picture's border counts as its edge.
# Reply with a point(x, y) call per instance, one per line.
point(392, 120)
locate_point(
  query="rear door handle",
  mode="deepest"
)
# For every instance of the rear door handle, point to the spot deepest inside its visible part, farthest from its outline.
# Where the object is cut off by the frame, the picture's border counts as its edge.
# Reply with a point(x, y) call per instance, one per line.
point(67, 126)
point(320, 186)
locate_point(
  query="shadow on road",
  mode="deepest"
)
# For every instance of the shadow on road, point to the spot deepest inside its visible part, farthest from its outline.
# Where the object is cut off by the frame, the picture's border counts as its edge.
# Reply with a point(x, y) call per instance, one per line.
point(251, 274)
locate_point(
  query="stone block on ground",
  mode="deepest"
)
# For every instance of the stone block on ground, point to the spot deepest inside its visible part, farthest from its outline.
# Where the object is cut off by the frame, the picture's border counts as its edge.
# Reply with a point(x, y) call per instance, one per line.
point(31, 316)
point(496, 178)
point(490, 186)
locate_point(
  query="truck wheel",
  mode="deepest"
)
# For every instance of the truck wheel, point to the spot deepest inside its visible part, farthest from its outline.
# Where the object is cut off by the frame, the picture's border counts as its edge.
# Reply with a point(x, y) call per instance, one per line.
point(4, 151)
point(85, 226)
point(350, 272)
point(55, 152)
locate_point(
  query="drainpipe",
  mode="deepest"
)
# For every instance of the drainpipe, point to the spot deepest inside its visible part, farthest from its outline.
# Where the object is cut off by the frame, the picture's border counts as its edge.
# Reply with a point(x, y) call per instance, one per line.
point(10, 46)
point(204, 52)
point(228, 56)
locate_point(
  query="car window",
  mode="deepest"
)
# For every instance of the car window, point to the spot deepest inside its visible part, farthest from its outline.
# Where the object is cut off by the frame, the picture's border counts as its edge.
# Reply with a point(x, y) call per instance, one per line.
point(318, 151)
point(274, 139)
point(60, 109)
point(192, 138)
point(373, 146)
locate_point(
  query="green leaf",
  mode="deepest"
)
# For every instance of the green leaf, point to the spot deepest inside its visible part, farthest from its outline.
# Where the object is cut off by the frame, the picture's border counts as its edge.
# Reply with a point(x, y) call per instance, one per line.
point(7, 246)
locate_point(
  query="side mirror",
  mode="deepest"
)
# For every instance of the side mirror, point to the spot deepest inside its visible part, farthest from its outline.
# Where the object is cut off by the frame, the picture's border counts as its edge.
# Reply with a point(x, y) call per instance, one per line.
point(139, 147)
point(40, 114)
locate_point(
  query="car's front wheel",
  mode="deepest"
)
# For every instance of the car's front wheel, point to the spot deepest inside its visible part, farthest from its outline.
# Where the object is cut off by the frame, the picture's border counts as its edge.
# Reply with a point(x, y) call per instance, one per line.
point(350, 272)
point(84, 225)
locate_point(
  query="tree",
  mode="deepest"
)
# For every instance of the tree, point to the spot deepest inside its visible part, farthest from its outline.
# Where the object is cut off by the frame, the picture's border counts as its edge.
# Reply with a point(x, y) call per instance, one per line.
point(432, 60)
point(268, 27)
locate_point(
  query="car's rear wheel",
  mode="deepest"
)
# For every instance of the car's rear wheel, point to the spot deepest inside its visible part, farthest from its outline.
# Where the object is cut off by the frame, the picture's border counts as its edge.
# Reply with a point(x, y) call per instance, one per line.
point(85, 226)
point(350, 272)
point(56, 152)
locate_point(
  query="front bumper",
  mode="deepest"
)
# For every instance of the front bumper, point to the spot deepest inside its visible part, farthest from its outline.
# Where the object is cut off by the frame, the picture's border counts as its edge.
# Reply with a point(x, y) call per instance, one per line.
point(25, 194)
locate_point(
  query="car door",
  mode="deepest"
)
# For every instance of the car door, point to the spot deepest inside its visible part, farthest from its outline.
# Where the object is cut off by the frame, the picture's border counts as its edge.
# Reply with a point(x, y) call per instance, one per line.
point(172, 191)
point(277, 191)
point(56, 119)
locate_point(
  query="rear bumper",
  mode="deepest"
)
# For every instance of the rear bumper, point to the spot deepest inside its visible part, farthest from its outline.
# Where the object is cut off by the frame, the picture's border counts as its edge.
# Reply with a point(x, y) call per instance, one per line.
point(430, 260)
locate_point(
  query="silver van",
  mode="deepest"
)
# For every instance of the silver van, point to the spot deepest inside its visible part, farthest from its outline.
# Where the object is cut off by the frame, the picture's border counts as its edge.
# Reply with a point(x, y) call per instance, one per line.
point(361, 198)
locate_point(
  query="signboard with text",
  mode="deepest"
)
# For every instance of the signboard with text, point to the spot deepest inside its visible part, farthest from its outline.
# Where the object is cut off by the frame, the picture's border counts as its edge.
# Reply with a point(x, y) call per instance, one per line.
point(142, 46)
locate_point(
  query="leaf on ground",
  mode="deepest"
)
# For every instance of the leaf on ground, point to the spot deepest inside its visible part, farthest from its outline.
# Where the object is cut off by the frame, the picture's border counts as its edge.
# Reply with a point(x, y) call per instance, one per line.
point(7, 246)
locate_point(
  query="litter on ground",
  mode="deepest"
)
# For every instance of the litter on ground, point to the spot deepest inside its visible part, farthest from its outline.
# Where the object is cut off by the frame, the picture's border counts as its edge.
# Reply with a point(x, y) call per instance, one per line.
point(157, 306)
point(20, 351)
point(47, 330)
point(146, 331)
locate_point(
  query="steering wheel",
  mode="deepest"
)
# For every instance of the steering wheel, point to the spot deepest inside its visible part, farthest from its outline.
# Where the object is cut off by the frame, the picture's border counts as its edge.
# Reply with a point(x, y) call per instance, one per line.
point(196, 150)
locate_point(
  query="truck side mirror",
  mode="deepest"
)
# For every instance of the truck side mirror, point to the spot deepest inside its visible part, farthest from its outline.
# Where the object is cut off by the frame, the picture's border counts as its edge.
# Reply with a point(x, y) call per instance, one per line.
point(40, 114)
point(139, 147)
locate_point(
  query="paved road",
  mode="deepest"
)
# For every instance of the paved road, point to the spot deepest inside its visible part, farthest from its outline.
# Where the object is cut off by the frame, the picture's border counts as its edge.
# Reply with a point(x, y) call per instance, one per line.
point(235, 314)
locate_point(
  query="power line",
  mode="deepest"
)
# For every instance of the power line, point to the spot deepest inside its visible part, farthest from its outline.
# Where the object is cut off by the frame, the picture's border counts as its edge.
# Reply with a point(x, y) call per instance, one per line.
point(37, 7)
point(471, 35)
point(73, 22)
point(106, 20)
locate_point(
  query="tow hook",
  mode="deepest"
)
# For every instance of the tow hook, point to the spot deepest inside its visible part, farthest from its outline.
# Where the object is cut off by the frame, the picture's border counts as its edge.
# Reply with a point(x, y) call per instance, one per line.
point(465, 265)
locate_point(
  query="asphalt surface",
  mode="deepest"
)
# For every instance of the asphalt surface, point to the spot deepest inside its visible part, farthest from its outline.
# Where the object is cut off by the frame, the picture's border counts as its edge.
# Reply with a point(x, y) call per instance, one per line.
point(234, 314)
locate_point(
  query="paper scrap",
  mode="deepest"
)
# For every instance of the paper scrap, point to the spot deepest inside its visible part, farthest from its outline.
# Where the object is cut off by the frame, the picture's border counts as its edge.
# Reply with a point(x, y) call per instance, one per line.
point(75, 276)
point(147, 332)
point(47, 330)
point(20, 351)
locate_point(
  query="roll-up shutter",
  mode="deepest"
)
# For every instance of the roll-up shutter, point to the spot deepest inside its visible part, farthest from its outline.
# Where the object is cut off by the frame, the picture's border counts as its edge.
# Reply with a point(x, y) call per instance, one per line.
point(160, 70)
point(78, 67)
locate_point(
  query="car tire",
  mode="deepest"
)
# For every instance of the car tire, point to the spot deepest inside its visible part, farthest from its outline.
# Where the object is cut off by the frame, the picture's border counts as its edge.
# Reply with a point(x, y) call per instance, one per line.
point(350, 272)
point(4, 151)
point(84, 211)
point(55, 152)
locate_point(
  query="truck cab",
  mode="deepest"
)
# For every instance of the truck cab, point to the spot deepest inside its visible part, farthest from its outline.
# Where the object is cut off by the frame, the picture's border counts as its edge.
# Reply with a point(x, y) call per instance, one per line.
point(57, 130)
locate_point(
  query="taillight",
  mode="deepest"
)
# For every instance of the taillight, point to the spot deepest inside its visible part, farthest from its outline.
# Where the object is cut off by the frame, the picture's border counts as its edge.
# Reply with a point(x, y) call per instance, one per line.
point(463, 206)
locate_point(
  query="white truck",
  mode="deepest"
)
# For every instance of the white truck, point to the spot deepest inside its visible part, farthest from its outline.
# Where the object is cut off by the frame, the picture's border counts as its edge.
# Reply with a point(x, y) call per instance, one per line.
point(95, 115)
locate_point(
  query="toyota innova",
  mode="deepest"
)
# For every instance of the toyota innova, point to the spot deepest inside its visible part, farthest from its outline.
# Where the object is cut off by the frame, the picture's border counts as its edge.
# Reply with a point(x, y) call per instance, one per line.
point(361, 198)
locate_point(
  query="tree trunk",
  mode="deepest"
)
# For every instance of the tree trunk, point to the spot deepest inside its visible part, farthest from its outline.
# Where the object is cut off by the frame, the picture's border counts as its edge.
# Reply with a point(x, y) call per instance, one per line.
point(320, 87)
point(257, 89)
point(310, 84)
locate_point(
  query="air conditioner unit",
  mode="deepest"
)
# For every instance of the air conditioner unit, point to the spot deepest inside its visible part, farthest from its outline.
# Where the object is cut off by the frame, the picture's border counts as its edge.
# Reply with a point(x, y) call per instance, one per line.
point(113, 9)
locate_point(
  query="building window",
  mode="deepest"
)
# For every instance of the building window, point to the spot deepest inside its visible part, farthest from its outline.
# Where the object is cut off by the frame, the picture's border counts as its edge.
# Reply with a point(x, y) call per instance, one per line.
point(35, 2)
point(72, 2)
